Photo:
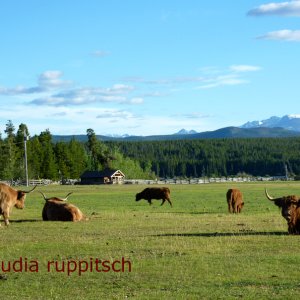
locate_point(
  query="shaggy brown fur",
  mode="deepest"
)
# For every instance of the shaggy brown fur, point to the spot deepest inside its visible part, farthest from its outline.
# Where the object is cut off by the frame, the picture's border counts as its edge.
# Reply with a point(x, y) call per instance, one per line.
point(10, 198)
point(290, 210)
point(234, 200)
point(57, 209)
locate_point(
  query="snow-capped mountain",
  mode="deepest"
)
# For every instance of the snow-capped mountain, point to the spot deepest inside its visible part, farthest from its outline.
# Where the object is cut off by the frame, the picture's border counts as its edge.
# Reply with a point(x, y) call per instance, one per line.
point(290, 122)
point(184, 131)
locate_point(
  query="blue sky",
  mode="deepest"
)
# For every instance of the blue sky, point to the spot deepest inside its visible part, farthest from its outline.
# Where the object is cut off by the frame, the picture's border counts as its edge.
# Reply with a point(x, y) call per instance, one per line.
point(147, 67)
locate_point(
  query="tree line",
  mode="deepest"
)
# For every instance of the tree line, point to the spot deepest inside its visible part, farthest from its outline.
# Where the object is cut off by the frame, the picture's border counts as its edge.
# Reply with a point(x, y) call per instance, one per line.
point(217, 157)
point(145, 159)
point(60, 160)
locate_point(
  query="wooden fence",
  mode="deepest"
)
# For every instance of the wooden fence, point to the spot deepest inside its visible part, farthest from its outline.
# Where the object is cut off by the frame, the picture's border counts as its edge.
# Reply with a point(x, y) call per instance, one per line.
point(205, 180)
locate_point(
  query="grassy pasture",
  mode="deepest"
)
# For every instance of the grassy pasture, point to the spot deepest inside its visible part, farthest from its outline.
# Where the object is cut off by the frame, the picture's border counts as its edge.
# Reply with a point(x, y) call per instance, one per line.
point(195, 250)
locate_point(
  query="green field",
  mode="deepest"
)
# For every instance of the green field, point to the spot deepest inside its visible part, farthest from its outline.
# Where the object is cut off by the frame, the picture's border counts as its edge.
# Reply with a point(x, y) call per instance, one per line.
point(195, 250)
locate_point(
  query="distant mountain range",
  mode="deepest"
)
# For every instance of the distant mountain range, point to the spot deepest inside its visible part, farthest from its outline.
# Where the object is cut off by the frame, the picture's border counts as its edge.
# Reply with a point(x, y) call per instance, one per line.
point(274, 127)
point(290, 122)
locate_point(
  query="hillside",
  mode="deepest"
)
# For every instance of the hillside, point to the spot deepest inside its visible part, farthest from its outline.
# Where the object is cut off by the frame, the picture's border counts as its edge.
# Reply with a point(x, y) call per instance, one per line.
point(227, 132)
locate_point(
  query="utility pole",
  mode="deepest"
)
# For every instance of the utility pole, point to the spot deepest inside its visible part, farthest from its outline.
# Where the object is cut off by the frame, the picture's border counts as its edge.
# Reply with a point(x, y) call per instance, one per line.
point(25, 156)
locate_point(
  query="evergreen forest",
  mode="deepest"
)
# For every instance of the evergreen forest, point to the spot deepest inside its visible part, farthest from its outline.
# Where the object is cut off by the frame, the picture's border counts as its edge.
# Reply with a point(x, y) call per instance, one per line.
point(60, 160)
point(216, 157)
point(144, 159)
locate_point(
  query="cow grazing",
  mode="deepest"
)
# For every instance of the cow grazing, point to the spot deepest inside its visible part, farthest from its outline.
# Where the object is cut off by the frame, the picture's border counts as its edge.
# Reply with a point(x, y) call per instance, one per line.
point(9, 197)
point(235, 200)
point(57, 209)
point(290, 210)
point(154, 193)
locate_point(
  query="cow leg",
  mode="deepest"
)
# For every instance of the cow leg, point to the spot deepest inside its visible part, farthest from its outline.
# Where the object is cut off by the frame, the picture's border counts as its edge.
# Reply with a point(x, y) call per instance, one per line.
point(229, 207)
point(240, 207)
point(44, 214)
point(291, 229)
point(149, 201)
point(5, 217)
point(169, 200)
point(297, 227)
point(235, 208)
point(163, 201)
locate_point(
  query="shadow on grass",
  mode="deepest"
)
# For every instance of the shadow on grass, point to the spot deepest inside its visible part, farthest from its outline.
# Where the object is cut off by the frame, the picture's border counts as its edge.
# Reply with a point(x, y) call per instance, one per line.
point(217, 234)
point(186, 212)
point(25, 221)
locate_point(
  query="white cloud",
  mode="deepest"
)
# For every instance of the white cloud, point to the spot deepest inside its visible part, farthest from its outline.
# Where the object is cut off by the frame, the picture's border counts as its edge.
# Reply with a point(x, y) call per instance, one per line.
point(52, 80)
point(49, 80)
point(115, 114)
point(52, 90)
point(215, 77)
point(52, 101)
point(212, 77)
point(282, 35)
point(19, 90)
point(156, 94)
point(81, 96)
point(244, 68)
point(120, 89)
point(136, 100)
point(163, 81)
point(222, 80)
point(287, 8)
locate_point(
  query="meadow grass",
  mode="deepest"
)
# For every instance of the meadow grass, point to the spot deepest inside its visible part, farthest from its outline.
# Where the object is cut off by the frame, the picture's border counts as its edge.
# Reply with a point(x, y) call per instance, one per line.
point(195, 250)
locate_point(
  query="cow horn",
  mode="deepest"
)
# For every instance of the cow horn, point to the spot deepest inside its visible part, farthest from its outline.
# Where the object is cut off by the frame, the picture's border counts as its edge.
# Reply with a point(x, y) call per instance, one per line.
point(44, 196)
point(66, 198)
point(268, 196)
point(30, 190)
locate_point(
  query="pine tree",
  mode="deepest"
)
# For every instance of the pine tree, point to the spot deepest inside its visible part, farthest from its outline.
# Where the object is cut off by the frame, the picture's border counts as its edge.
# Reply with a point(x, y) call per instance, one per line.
point(48, 168)
point(9, 152)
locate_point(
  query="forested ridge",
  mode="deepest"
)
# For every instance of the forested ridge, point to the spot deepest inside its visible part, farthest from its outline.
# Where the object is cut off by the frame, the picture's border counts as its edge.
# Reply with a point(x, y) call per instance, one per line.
point(217, 157)
point(145, 159)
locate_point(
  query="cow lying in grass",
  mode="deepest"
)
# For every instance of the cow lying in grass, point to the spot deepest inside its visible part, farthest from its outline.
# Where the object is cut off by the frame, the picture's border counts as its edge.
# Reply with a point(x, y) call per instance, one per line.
point(154, 193)
point(57, 209)
point(290, 210)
